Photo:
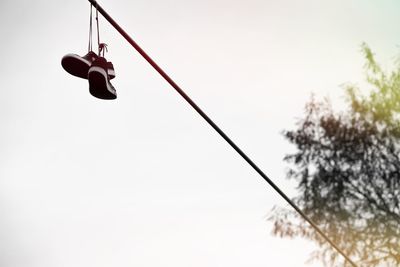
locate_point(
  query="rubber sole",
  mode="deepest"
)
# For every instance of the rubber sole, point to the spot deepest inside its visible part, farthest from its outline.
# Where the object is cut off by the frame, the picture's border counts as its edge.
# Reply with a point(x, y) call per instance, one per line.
point(99, 86)
point(75, 65)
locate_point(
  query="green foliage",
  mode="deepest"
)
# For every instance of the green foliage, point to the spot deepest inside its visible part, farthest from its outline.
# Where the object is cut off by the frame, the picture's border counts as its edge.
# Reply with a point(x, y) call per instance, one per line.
point(347, 169)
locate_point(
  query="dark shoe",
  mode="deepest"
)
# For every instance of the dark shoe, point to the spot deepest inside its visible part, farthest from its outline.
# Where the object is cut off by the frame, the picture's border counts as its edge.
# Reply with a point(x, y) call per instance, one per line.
point(77, 65)
point(99, 80)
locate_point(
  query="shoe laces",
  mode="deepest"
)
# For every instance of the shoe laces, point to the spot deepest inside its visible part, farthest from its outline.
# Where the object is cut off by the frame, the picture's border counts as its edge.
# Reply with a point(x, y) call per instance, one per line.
point(102, 48)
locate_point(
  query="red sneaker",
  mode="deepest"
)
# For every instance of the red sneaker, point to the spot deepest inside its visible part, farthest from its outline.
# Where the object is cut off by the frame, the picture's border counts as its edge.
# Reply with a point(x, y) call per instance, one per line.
point(77, 65)
point(99, 80)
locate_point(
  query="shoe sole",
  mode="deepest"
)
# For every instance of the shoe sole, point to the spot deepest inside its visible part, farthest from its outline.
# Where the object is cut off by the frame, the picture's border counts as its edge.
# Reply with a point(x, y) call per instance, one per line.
point(111, 73)
point(98, 84)
point(76, 65)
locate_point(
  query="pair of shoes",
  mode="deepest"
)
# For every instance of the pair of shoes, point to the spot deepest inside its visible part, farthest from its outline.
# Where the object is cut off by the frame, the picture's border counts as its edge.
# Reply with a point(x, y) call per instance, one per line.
point(96, 69)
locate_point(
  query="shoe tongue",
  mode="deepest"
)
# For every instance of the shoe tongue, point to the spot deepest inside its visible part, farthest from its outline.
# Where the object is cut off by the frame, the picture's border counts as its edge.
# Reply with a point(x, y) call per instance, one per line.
point(101, 60)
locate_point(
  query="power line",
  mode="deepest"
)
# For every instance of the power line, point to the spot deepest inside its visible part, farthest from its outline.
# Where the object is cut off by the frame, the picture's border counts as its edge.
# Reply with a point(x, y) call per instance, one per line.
point(216, 128)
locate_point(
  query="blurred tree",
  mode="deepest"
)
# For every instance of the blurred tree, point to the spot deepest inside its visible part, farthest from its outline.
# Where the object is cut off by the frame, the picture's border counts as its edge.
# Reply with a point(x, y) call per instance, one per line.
point(347, 169)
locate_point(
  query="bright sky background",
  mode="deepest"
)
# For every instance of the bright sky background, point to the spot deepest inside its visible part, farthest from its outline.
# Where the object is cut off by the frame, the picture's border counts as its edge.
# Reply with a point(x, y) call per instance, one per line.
point(143, 180)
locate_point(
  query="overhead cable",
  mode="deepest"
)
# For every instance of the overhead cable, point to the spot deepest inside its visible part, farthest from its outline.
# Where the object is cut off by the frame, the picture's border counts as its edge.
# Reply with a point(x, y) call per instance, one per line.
point(216, 128)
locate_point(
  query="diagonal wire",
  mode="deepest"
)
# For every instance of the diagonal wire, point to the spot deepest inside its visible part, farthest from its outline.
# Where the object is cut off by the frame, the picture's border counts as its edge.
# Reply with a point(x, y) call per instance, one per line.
point(216, 128)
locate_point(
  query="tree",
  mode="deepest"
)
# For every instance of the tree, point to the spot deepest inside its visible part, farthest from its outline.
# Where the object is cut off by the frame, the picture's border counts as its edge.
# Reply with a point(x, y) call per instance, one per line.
point(347, 170)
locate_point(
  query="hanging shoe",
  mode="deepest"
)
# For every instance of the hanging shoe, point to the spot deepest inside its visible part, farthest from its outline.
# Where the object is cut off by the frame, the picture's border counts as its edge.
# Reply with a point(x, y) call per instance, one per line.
point(99, 80)
point(77, 65)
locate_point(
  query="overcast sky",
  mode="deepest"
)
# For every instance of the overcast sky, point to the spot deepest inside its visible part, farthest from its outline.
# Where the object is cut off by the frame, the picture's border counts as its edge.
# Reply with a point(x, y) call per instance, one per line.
point(143, 180)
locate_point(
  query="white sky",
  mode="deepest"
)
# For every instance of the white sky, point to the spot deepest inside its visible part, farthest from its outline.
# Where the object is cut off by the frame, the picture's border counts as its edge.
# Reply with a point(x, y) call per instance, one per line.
point(143, 180)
